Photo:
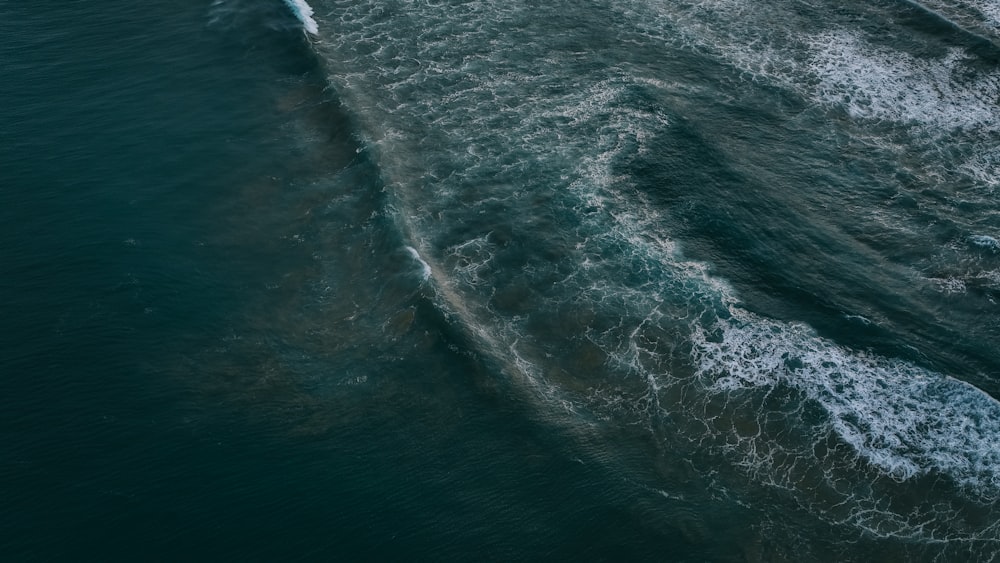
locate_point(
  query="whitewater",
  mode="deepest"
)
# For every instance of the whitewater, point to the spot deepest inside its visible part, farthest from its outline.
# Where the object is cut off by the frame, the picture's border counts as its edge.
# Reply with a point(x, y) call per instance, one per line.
point(761, 236)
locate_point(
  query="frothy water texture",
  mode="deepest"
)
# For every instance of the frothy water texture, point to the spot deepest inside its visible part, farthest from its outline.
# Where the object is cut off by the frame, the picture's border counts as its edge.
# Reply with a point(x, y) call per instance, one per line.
point(902, 419)
point(543, 164)
point(303, 11)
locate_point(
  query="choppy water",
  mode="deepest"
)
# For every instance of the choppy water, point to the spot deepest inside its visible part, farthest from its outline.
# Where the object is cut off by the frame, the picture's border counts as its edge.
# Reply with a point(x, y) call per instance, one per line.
point(631, 280)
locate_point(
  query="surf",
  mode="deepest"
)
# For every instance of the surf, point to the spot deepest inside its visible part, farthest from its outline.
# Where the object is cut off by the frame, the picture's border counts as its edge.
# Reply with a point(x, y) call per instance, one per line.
point(513, 192)
point(304, 12)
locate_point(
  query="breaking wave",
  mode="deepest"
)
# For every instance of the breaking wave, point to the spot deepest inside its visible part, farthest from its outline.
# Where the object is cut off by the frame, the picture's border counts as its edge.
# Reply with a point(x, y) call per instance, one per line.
point(505, 147)
point(303, 11)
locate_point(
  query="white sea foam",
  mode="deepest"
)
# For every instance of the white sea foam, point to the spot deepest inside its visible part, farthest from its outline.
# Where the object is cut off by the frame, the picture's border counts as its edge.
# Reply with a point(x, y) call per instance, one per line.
point(950, 285)
point(929, 97)
point(991, 9)
point(879, 83)
point(984, 167)
point(425, 268)
point(901, 418)
point(985, 241)
point(303, 11)
point(470, 260)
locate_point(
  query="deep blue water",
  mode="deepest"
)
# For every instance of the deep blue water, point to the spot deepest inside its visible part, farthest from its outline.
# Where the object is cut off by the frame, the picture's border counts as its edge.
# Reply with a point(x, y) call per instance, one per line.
point(623, 280)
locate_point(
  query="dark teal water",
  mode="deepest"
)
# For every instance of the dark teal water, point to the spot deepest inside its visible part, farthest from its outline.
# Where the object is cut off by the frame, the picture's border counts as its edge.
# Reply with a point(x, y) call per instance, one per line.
point(459, 280)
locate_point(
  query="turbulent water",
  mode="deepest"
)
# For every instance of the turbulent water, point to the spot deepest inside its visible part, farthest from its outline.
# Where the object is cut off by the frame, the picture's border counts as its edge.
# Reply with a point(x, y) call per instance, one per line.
point(716, 278)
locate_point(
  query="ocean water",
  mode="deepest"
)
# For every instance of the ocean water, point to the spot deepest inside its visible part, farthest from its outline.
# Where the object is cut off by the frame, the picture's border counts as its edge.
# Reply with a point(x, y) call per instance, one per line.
point(453, 280)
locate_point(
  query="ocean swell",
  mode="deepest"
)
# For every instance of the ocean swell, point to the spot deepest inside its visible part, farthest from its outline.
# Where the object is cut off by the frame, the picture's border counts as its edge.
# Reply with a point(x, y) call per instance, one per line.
point(503, 143)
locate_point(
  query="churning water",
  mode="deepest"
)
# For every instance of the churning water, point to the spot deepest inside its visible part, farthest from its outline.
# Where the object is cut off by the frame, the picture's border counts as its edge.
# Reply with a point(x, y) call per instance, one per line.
point(610, 280)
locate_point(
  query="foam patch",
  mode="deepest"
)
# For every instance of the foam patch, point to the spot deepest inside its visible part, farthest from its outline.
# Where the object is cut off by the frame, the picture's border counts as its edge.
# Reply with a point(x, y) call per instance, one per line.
point(903, 419)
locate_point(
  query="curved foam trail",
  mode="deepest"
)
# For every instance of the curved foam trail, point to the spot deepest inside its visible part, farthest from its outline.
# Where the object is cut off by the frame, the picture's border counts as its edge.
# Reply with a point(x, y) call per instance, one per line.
point(903, 419)
point(303, 12)
point(425, 267)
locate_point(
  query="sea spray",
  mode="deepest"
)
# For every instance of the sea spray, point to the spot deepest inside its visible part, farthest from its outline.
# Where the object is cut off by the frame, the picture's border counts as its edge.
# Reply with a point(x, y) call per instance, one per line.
point(425, 268)
point(303, 12)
